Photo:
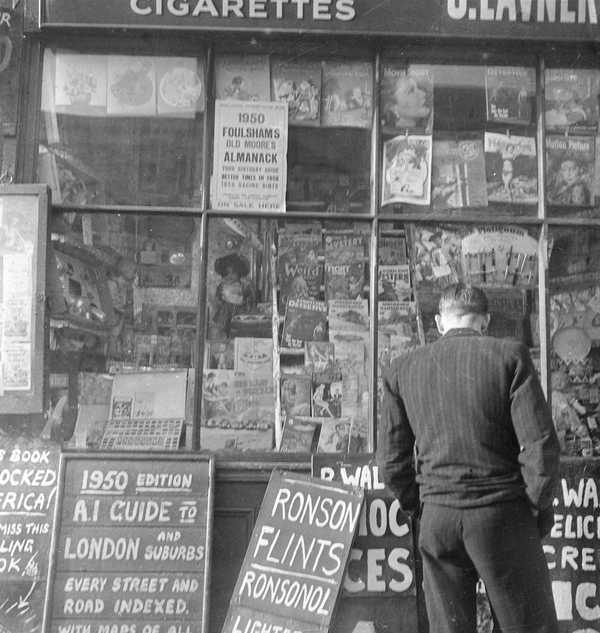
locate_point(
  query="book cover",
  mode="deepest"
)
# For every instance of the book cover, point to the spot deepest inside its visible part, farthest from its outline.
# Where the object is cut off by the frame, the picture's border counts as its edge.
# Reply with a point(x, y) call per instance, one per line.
point(131, 85)
point(436, 255)
point(571, 99)
point(347, 94)
point(298, 83)
point(510, 94)
point(300, 435)
point(327, 392)
point(305, 320)
point(511, 168)
point(392, 250)
point(318, 356)
point(334, 436)
point(254, 356)
point(242, 77)
point(458, 174)
point(406, 98)
point(348, 315)
point(570, 167)
point(407, 170)
point(180, 86)
point(394, 282)
point(295, 393)
point(299, 267)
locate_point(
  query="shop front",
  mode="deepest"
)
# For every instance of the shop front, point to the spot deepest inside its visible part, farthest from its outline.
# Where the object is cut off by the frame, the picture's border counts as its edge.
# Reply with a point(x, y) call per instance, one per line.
point(254, 206)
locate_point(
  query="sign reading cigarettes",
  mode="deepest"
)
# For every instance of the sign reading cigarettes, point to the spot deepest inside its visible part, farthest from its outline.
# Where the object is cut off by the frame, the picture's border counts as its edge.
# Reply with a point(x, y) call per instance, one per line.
point(250, 145)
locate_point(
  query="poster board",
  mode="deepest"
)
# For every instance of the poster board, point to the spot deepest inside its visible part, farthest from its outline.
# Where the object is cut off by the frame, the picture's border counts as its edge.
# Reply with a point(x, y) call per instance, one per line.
point(293, 569)
point(132, 545)
point(23, 243)
point(29, 476)
point(379, 590)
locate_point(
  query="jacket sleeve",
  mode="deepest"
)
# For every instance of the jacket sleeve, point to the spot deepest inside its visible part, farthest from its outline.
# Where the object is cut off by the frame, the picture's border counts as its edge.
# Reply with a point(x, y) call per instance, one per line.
point(532, 421)
point(395, 449)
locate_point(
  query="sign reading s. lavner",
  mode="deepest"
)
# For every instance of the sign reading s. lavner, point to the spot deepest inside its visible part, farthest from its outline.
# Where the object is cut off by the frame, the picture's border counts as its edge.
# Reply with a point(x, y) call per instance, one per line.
point(296, 560)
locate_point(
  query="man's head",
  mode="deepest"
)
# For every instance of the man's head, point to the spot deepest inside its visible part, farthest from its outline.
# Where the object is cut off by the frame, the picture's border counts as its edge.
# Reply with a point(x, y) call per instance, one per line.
point(462, 306)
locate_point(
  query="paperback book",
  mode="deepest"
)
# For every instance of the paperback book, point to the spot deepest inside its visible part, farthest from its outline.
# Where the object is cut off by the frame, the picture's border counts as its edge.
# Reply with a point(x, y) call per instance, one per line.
point(571, 101)
point(570, 165)
point(394, 282)
point(299, 85)
point(347, 94)
point(510, 94)
point(407, 170)
point(300, 435)
point(295, 393)
point(305, 320)
point(242, 77)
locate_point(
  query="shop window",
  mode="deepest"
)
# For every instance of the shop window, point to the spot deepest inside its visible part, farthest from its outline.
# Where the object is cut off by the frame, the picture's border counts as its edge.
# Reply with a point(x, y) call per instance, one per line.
point(123, 302)
point(287, 356)
point(122, 129)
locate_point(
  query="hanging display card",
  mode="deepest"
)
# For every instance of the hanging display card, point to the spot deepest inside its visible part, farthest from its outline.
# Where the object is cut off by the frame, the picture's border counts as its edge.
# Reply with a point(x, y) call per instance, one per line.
point(250, 148)
point(29, 474)
point(133, 544)
point(407, 170)
point(295, 563)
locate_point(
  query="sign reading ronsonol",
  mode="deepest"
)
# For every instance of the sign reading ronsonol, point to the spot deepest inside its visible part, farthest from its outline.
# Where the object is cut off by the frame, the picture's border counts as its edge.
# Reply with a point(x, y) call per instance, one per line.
point(132, 544)
point(296, 560)
point(250, 146)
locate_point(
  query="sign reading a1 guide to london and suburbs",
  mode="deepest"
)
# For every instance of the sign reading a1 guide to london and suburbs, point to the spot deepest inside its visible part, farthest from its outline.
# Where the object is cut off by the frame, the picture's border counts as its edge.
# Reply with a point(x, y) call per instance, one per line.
point(250, 146)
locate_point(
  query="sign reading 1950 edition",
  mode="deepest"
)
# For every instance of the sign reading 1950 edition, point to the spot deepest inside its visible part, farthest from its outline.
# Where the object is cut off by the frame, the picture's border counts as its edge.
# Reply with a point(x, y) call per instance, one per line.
point(250, 148)
point(297, 556)
point(132, 545)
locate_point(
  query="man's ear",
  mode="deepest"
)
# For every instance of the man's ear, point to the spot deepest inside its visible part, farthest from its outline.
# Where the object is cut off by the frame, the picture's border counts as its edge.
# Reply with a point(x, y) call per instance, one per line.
point(439, 323)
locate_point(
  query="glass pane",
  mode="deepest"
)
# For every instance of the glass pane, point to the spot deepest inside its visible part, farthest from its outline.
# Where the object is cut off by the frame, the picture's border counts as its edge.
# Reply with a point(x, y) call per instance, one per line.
point(458, 139)
point(122, 129)
point(123, 292)
point(288, 338)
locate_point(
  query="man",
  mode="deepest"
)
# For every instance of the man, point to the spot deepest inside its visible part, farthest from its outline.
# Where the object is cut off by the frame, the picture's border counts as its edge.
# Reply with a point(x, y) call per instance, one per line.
point(472, 410)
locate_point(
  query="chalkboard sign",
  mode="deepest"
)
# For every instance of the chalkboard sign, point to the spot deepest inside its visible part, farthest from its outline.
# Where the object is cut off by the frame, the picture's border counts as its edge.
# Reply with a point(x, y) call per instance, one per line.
point(379, 590)
point(572, 548)
point(132, 545)
point(28, 482)
point(297, 556)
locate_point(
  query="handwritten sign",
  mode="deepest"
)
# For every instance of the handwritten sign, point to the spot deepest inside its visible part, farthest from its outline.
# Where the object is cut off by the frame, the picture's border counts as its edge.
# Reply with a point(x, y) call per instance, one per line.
point(250, 147)
point(572, 548)
point(28, 481)
point(133, 544)
point(297, 556)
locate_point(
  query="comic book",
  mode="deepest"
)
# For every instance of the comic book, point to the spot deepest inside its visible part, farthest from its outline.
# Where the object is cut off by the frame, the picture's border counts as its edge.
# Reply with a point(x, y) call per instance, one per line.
point(570, 167)
point(347, 95)
point(406, 98)
point(327, 392)
point(344, 271)
point(511, 168)
point(334, 436)
point(295, 393)
point(254, 356)
point(318, 356)
point(436, 255)
point(392, 250)
point(300, 435)
point(458, 174)
point(242, 77)
point(510, 94)
point(407, 170)
point(571, 101)
point(298, 83)
point(398, 318)
point(305, 320)
point(394, 282)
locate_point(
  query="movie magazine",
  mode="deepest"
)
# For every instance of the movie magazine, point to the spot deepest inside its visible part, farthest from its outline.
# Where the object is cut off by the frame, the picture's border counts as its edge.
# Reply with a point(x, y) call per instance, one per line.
point(511, 168)
point(242, 77)
point(295, 393)
point(305, 320)
point(407, 170)
point(318, 356)
point(570, 168)
point(510, 94)
point(327, 391)
point(300, 435)
point(406, 98)
point(394, 282)
point(458, 174)
point(571, 99)
point(347, 94)
point(299, 85)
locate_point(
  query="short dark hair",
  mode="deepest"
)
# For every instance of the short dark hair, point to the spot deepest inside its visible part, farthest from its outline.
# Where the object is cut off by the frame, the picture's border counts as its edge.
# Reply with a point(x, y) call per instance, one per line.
point(463, 299)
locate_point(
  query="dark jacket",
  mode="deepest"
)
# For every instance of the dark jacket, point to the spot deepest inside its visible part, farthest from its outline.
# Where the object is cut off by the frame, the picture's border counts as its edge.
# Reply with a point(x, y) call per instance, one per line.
point(473, 408)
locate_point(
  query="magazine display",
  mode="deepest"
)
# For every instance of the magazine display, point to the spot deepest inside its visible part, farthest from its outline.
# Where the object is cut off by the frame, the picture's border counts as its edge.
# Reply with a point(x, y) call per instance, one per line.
point(511, 168)
point(295, 393)
point(570, 165)
point(299, 85)
point(305, 320)
point(394, 282)
point(344, 265)
point(392, 250)
point(220, 354)
point(327, 391)
point(406, 98)
point(254, 356)
point(510, 94)
point(334, 436)
point(458, 174)
point(318, 356)
point(242, 77)
point(300, 435)
point(348, 315)
point(398, 319)
point(407, 170)
point(436, 253)
point(571, 101)
point(347, 94)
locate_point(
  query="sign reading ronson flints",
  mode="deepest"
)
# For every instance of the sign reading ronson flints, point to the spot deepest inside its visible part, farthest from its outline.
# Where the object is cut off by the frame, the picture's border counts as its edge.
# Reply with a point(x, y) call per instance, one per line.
point(566, 19)
point(132, 544)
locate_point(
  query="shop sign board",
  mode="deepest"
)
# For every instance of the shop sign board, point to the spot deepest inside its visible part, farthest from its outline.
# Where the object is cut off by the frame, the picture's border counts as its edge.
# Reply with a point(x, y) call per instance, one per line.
point(573, 547)
point(28, 483)
point(250, 148)
point(295, 563)
point(132, 545)
point(11, 35)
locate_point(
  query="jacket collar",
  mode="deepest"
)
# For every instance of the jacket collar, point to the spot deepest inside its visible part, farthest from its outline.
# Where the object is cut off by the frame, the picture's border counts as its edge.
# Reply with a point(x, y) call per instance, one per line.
point(466, 331)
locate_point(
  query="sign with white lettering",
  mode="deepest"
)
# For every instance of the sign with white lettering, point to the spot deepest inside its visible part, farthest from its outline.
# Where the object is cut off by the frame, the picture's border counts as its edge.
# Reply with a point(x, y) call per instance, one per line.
point(11, 34)
point(250, 148)
point(28, 482)
point(296, 560)
point(132, 545)
point(573, 547)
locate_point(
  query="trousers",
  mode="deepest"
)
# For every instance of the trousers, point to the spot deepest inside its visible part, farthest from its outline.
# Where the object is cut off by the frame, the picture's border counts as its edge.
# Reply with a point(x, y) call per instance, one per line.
point(501, 545)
